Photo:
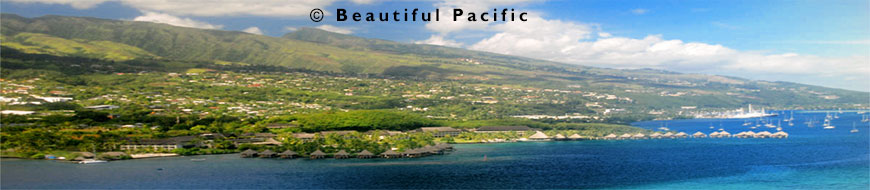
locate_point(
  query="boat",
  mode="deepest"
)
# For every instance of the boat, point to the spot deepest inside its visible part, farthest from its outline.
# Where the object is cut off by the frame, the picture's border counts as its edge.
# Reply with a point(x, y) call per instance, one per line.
point(854, 130)
point(91, 161)
point(197, 159)
point(750, 114)
point(828, 125)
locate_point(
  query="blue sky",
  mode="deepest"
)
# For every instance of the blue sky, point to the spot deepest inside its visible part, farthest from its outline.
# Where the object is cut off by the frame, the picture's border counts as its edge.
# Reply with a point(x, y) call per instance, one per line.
point(823, 43)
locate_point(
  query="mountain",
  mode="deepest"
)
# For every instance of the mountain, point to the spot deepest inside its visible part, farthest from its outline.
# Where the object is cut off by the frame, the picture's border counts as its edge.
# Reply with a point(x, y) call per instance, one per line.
point(322, 51)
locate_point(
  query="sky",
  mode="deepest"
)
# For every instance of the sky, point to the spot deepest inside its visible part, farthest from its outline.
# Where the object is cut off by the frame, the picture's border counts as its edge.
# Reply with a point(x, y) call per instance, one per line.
point(816, 42)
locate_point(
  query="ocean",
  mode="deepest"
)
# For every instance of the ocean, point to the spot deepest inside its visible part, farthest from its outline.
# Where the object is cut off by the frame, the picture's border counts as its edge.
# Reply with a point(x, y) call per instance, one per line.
point(811, 158)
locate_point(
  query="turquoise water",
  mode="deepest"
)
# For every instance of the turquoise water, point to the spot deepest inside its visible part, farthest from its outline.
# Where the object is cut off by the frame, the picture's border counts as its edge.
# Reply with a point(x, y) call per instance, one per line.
point(812, 158)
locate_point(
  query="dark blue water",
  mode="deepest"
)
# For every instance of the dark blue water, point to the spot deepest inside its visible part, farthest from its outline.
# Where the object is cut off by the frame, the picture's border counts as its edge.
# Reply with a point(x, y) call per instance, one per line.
point(812, 158)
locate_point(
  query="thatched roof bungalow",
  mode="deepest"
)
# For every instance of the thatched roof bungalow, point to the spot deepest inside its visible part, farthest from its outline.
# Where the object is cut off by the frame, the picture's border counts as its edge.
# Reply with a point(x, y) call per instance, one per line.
point(780, 134)
point(625, 136)
point(668, 135)
point(699, 134)
point(656, 135)
point(724, 134)
point(560, 137)
point(681, 135)
point(390, 154)
point(365, 154)
point(288, 154)
point(763, 134)
point(267, 154)
point(638, 136)
point(317, 154)
point(341, 154)
point(539, 136)
point(249, 153)
point(610, 136)
point(575, 136)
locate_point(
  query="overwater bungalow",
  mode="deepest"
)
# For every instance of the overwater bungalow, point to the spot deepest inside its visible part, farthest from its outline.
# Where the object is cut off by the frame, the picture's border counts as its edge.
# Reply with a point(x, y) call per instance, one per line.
point(249, 153)
point(611, 136)
point(681, 135)
point(575, 136)
point(638, 136)
point(625, 136)
point(668, 135)
point(365, 154)
point(780, 134)
point(560, 137)
point(288, 154)
point(267, 154)
point(413, 153)
point(763, 134)
point(318, 154)
point(390, 154)
point(539, 136)
point(724, 134)
point(699, 134)
point(748, 134)
point(656, 135)
point(341, 154)
point(714, 134)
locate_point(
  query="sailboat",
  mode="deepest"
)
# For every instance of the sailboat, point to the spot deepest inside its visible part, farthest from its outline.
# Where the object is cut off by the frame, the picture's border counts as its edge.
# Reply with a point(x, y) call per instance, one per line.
point(828, 124)
point(768, 124)
point(854, 130)
point(92, 161)
point(810, 123)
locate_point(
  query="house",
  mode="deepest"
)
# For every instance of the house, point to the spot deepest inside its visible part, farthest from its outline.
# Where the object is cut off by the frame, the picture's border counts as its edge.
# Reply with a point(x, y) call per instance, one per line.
point(16, 112)
point(439, 131)
point(304, 136)
point(497, 129)
point(158, 144)
point(103, 107)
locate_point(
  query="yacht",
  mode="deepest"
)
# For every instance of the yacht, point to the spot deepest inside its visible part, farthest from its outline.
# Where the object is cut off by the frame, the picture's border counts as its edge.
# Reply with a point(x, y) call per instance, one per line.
point(854, 130)
point(91, 161)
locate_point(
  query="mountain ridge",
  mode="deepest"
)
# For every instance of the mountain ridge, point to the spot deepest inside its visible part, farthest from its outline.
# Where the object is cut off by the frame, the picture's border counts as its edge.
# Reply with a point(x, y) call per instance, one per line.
point(318, 50)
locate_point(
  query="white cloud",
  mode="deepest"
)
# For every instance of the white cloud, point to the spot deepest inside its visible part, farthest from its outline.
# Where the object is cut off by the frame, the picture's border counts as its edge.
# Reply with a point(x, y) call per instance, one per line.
point(173, 20)
point(570, 42)
point(78, 4)
point(440, 40)
point(253, 30)
point(272, 8)
point(336, 29)
point(363, 1)
point(639, 11)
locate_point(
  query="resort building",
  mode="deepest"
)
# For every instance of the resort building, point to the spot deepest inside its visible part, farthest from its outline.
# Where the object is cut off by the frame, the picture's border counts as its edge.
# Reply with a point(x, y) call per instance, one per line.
point(439, 132)
point(167, 144)
point(103, 107)
point(497, 129)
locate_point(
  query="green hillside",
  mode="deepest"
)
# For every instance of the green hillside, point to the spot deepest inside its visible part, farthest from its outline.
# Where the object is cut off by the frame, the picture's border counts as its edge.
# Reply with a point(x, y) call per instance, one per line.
point(321, 51)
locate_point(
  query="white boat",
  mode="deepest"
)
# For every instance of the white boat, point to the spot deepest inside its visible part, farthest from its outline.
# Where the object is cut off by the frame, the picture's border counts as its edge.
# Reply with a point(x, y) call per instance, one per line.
point(854, 130)
point(91, 161)
point(750, 114)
